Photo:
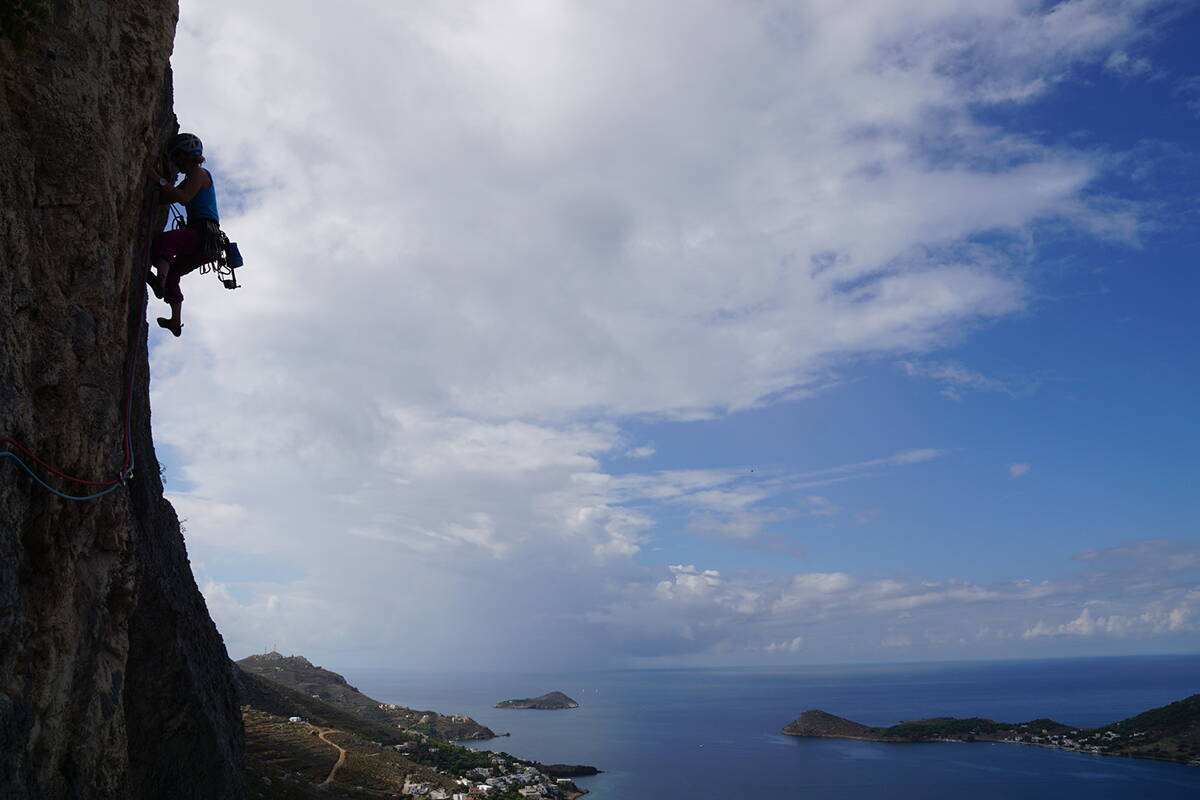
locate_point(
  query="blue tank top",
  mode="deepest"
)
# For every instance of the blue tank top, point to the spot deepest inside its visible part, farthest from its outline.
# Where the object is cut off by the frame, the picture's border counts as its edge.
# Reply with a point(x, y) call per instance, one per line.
point(204, 204)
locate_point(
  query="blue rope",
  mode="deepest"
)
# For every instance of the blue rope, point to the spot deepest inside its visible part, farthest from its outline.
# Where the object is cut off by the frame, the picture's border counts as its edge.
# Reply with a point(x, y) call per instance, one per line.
point(52, 490)
point(127, 473)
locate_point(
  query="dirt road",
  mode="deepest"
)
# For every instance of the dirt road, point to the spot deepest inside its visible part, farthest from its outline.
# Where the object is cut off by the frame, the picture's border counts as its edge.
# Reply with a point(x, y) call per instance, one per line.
point(341, 754)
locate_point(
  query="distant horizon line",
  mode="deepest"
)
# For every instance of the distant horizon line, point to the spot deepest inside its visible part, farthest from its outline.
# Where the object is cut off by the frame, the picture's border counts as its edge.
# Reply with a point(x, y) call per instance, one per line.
point(778, 667)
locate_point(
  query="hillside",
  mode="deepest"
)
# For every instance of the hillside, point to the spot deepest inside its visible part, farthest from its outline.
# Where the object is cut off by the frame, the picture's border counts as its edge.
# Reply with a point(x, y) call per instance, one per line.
point(299, 674)
point(114, 682)
point(295, 745)
point(1170, 733)
point(293, 760)
point(257, 692)
point(815, 722)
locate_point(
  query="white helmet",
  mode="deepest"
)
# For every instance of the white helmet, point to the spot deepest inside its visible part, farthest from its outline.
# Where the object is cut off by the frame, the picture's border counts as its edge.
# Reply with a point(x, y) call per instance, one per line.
point(188, 143)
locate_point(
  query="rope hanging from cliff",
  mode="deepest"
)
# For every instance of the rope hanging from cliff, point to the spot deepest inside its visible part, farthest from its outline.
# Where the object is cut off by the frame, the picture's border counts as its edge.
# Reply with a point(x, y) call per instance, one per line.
point(116, 484)
point(124, 475)
point(126, 471)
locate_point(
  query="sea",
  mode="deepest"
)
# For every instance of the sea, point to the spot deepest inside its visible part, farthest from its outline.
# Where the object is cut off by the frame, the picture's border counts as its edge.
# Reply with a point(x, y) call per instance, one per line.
point(715, 733)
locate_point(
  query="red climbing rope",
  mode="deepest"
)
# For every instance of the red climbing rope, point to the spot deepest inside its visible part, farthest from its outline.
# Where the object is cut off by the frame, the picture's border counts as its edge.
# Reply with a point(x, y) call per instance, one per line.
point(126, 471)
point(51, 469)
point(125, 449)
point(127, 465)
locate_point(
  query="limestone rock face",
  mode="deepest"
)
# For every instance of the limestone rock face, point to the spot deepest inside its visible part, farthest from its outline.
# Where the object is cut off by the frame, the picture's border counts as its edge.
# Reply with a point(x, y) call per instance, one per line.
point(114, 682)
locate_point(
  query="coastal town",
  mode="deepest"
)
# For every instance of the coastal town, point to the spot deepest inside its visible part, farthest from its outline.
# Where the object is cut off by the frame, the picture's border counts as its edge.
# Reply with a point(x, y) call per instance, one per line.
point(1105, 742)
point(1082, 741)
point(498, 776)
point(1078, 740)
point(504, 777)
point(297, 757)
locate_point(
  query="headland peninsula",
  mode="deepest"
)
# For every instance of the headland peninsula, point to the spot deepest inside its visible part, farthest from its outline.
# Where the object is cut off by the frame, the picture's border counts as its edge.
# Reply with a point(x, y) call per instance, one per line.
point(1168, 733)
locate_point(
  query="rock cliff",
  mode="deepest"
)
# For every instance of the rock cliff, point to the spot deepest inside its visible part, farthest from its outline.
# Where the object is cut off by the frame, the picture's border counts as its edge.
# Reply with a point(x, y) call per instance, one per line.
point(114, 682)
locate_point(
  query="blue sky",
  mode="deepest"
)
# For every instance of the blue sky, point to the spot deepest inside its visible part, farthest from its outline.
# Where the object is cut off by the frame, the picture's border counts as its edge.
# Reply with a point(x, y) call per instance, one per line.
point(782, 333)
point(1094, 382)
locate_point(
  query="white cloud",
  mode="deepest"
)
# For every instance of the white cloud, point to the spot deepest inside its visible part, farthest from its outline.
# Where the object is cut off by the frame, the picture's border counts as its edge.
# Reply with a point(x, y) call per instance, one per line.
point(821, 506)
point(901, 459)
point(736, 288)
point(468, 269)
point(1127, 66)
point(786, 646)
point(1153, 620)
point(1018, 469)
point(957, 379)
point(1147, 557)
point(1189, 89)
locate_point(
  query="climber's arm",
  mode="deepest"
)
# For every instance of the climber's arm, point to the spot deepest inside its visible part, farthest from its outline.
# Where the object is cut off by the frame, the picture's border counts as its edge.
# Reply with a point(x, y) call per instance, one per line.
point(184, 192)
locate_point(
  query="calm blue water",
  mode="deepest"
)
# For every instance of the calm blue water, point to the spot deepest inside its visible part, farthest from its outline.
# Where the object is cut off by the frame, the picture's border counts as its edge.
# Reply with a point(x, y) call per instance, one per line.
point(715, 733)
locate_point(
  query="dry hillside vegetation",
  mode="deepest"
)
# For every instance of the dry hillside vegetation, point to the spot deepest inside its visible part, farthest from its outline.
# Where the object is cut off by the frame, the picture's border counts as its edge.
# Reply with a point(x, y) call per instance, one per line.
point(289, 760)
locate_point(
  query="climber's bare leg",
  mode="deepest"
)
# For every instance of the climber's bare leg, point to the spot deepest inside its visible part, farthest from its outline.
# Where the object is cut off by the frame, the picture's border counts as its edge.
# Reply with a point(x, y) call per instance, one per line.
point(158, 280)
point(175, 323)
point(164, 269)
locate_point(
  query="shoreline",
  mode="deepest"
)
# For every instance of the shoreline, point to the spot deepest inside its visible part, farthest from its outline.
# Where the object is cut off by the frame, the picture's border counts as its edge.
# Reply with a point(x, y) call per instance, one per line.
point(1168, 733)
point(1043, 745)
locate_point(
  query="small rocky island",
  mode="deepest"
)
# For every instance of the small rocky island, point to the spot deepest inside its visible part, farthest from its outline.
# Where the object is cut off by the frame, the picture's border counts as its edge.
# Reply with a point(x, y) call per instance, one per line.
point(1169, 733)
point(552, 701)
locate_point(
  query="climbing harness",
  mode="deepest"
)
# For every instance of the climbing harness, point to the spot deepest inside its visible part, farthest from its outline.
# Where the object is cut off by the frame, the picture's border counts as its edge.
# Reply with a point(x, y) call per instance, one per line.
point(228, 257)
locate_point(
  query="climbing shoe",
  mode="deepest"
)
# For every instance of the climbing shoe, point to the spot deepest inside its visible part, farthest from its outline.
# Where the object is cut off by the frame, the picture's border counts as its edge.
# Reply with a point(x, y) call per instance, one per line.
point(166, 323)
point(152, 279)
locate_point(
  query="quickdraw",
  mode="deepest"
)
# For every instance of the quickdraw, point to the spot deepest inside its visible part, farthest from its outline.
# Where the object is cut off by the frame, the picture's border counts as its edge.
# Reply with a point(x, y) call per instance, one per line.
point(228, 260)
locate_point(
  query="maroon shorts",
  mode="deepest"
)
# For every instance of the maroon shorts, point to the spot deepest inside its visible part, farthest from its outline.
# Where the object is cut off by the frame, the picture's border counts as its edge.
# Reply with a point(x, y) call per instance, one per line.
point(181, 247)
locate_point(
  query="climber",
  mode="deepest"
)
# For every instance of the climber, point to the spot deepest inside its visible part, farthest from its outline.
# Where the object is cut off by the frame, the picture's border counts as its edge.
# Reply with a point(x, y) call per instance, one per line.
point(178, 252)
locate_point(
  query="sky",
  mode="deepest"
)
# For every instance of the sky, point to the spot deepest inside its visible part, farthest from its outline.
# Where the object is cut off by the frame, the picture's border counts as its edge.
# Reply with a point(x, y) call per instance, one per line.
point(612, 334)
